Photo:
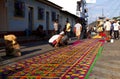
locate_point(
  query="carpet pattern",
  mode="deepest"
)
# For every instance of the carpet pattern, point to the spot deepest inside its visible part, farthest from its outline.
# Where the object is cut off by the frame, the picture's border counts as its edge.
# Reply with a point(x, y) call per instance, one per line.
point(71, 62)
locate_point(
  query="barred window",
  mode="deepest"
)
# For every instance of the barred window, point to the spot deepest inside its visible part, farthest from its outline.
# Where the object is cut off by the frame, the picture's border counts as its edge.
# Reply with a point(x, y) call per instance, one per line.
point(53, 16)
point(19, 8)
point(40, 13)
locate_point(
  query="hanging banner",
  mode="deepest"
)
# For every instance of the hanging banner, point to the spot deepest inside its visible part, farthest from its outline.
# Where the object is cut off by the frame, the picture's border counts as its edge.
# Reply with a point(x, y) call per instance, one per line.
point(90, 1)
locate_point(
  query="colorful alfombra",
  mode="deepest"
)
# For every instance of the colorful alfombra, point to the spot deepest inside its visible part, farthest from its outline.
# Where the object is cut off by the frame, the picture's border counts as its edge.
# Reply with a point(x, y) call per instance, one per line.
point(70, 62)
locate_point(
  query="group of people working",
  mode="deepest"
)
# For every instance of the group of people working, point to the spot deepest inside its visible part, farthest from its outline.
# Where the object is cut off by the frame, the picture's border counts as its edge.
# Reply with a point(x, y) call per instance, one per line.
point(59, 39)
point(108, 29)
point(62, 38)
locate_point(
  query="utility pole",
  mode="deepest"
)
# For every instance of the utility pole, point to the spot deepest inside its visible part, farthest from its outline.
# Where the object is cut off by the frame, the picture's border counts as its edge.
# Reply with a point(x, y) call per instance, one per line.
point(81, 8)
point(81, 12)
point(102, 12)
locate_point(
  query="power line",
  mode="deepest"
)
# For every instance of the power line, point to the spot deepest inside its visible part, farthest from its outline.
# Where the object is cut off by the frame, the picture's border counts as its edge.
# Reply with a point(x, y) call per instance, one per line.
point(109, 9)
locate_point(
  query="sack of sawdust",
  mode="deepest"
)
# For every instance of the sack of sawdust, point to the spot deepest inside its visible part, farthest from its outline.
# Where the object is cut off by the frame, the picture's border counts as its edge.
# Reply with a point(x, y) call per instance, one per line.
point(11, 45)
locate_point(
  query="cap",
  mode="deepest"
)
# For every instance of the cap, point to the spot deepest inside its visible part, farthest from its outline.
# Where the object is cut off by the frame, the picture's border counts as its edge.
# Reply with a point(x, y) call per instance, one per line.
point(62, 32)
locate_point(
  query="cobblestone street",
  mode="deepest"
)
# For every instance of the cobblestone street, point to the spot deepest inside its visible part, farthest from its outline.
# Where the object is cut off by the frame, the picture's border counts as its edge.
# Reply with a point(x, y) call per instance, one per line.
point(108, 64)
point(106, 67)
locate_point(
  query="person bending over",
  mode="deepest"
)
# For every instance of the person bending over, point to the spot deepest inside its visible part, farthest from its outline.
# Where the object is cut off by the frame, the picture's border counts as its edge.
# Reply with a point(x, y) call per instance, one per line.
point(58, 39)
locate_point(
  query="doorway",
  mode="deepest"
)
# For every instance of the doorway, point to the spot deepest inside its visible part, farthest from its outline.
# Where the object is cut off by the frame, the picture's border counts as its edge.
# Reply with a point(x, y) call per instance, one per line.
point(3, 16)
point(47, 22)
point(30, 19)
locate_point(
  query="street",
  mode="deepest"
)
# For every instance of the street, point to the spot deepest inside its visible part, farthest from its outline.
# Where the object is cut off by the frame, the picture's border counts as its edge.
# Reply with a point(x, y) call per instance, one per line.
point(106, 66)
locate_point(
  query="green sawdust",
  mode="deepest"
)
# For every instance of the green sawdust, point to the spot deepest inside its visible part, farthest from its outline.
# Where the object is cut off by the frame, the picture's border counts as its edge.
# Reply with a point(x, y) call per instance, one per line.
point(97, 56)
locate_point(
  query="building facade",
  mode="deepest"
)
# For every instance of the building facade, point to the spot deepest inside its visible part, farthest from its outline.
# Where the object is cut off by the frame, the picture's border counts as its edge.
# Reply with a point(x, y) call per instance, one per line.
point(20, 15)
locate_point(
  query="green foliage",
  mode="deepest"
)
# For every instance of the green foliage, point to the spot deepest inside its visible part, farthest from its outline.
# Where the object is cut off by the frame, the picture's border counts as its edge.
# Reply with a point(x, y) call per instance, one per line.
point(118, 17)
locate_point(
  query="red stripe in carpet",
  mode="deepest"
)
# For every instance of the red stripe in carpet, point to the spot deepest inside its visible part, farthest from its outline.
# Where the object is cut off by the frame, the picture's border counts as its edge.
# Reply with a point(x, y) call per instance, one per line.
point(71, 62)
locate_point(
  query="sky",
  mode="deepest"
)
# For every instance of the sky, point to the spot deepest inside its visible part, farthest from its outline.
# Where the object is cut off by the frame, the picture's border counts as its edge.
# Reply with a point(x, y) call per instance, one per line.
point(107, 8)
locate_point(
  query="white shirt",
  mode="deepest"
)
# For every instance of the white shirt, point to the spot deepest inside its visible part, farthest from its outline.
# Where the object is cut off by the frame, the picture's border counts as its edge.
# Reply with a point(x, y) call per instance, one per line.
point(56, 26)
point(116, 26)
point(54, 37)
point(107, 26)
point(78, 26)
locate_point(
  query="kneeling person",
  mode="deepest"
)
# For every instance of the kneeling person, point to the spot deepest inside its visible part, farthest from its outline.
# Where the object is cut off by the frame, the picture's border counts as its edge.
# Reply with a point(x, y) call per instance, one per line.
point(59, 39)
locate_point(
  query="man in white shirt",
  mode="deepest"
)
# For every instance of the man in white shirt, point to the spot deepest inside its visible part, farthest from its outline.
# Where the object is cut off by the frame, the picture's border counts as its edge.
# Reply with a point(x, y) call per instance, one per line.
point(77, 29)
point(59, 39)
point(107, 27)
point(56, 27)
point(116, 29)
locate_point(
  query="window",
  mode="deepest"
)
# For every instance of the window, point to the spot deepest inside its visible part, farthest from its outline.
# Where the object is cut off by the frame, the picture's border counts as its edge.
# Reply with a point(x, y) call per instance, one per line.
point(19, 8)
point(67, 19)
point(58, 17)
point(40, 13)
point(53, 16)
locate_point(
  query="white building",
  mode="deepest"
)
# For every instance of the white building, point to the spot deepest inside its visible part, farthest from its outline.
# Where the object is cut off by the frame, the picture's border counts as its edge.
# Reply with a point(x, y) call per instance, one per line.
point(18, 15)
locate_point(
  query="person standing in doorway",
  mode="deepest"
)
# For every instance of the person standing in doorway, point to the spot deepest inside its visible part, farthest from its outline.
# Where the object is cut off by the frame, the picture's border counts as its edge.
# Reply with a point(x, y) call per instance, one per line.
point(77, 29)
point(56, 27)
